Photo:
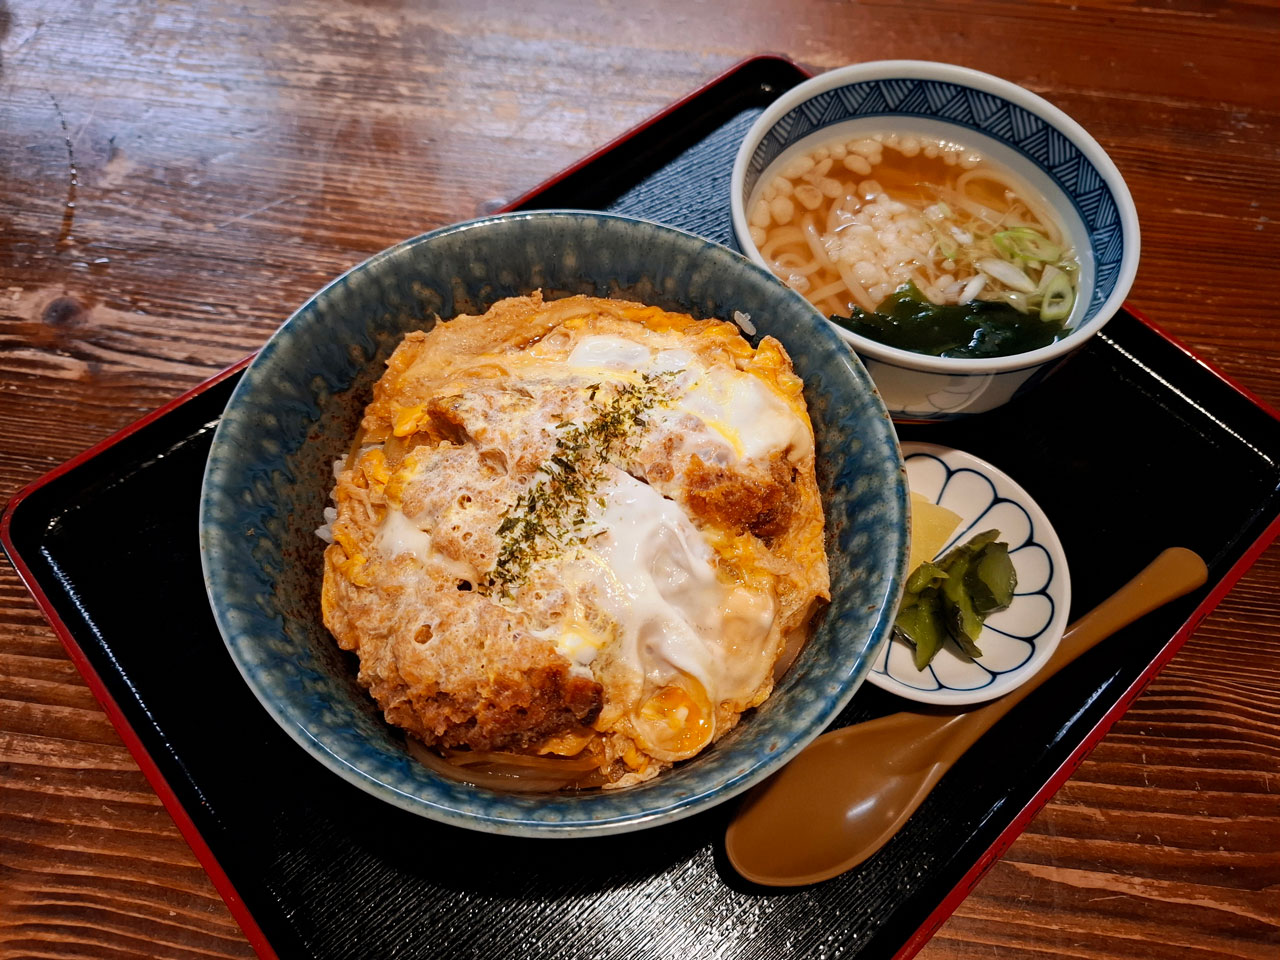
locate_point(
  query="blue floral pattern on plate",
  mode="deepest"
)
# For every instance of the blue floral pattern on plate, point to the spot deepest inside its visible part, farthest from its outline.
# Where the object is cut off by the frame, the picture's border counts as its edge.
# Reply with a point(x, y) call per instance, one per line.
point(985, 113)
point(296, 408)
point(1015, 642)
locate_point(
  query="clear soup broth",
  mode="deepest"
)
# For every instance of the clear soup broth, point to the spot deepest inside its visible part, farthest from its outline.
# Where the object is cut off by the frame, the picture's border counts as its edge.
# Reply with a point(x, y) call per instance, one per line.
point(861, 226)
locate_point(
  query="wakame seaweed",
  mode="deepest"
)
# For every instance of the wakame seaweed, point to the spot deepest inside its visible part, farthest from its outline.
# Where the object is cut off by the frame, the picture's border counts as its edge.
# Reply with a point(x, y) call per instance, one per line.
point(907, 319)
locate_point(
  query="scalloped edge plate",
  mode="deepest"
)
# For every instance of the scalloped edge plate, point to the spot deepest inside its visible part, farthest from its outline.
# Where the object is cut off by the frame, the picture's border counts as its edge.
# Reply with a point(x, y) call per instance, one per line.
point(1015, 642)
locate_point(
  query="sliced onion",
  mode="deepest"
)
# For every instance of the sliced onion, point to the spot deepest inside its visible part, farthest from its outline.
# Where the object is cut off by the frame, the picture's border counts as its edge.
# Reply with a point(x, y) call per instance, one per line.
point(1006, 273)
point(972, 289)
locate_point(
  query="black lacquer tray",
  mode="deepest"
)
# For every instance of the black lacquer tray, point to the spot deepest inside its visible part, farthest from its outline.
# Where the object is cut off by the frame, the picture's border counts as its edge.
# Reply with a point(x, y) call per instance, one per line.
point(1157, 448)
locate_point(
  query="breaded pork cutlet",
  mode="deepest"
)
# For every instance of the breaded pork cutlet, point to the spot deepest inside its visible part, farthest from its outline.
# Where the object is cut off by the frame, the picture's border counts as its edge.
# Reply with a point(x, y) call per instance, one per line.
point(581, 528)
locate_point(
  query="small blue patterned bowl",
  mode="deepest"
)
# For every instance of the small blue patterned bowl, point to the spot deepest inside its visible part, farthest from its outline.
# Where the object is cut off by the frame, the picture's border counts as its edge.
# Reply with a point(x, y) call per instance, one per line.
point(1010, 125)
point(296, 408)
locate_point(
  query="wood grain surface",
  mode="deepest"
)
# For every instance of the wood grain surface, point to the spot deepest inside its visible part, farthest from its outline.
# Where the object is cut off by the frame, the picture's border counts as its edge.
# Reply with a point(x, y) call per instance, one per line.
point(176, 177)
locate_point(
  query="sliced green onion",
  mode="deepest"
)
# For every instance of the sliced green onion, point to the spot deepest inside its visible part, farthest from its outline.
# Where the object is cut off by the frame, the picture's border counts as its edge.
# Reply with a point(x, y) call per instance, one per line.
point(1046, 275)
point(947, 245)
point(1026, 244)
point(1013, 298)
point(1059, 298)
point(1006, 273)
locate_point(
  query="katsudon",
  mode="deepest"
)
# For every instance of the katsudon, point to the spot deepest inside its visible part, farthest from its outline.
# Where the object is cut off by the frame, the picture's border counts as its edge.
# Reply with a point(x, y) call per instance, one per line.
point(576, 540)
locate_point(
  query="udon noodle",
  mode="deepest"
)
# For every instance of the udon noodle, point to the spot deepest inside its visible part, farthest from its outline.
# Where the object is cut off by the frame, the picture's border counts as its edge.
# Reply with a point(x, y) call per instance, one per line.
point(851, 222)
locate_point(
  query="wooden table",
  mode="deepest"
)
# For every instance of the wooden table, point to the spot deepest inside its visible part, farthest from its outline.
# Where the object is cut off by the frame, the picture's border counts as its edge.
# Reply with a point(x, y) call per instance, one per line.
point(176, 178)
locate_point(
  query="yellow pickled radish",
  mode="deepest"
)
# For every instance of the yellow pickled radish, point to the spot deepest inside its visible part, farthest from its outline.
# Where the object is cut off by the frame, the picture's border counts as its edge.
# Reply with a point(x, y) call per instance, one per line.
point(931, 527)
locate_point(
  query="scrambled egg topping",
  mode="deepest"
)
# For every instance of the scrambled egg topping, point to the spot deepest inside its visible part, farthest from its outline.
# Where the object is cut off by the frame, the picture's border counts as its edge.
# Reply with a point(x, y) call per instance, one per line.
point(579, 529)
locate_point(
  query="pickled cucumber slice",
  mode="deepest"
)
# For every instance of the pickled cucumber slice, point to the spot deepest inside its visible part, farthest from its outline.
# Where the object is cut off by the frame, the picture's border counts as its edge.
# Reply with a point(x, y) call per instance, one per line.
point(991, 578)
point(954, 595)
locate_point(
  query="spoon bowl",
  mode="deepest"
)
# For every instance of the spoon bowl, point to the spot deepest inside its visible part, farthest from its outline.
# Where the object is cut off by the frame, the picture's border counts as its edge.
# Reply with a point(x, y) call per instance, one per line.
point(846, 794)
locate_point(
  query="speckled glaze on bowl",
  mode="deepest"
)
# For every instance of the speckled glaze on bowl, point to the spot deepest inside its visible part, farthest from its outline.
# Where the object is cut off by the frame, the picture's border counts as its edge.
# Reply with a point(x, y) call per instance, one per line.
point(295, 410)
point(1012, 126)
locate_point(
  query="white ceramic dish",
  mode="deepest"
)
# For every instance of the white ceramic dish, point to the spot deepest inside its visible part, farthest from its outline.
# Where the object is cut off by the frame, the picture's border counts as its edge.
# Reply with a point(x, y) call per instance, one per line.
point(1016, 642)
point(1030, 136)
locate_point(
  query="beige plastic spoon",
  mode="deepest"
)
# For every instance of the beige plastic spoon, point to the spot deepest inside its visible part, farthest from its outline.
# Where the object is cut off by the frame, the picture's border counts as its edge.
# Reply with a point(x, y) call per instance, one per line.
point(848, 792)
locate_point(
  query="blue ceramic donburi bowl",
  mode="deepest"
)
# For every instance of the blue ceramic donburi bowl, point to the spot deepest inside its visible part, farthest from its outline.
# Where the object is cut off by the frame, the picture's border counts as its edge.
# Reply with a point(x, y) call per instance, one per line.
point(295, 410)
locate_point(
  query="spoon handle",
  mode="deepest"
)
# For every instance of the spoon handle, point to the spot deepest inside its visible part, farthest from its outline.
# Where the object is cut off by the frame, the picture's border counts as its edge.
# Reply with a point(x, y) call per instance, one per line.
point(1173, 574)
point(876, 774)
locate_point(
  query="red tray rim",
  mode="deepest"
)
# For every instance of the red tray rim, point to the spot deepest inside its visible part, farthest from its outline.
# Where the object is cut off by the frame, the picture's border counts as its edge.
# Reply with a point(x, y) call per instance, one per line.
point(204, 854)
